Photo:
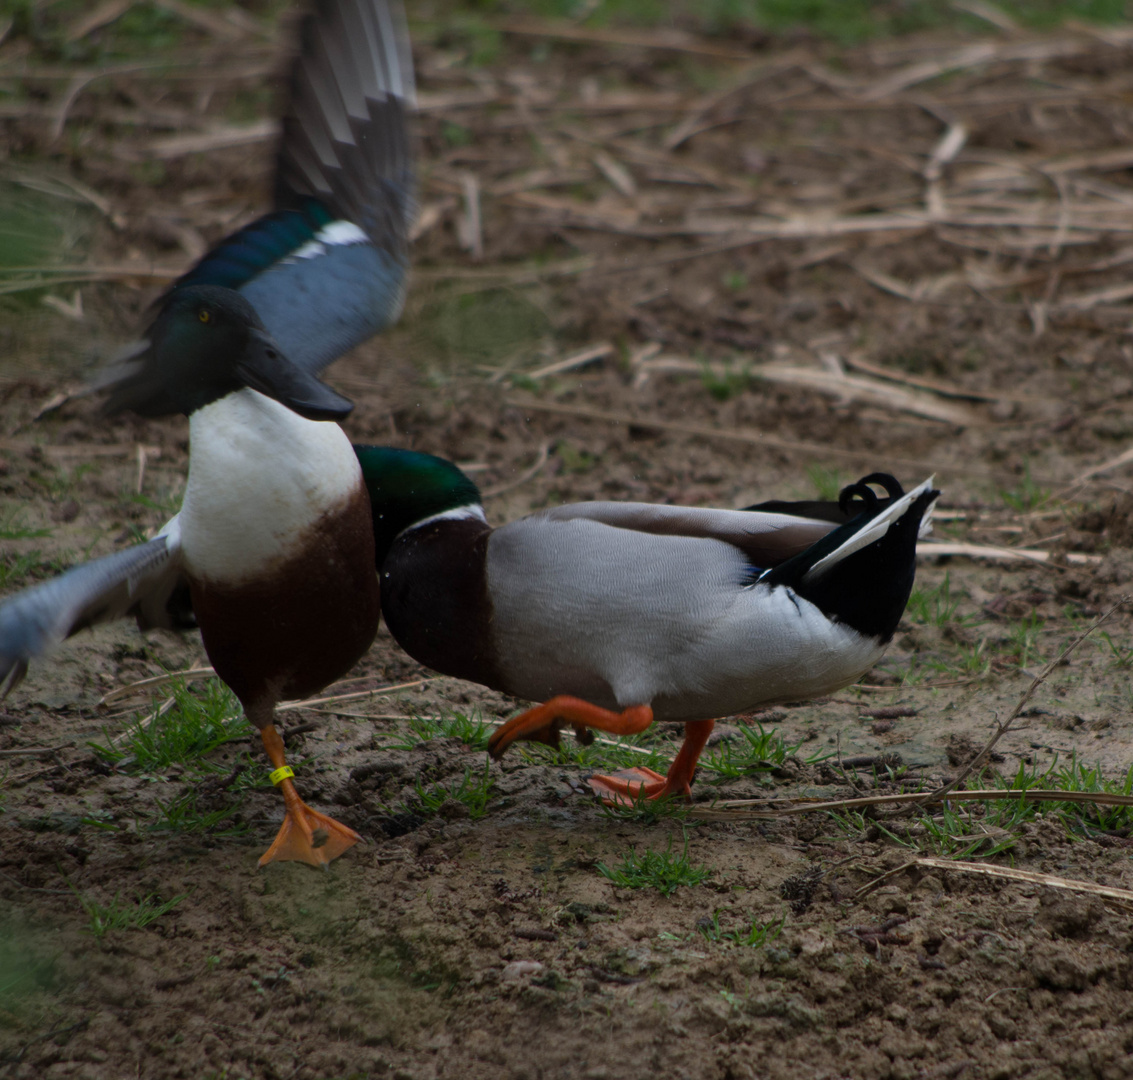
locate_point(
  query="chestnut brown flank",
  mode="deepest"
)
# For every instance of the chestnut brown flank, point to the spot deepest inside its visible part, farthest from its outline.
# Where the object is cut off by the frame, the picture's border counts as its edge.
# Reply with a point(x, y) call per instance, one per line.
point(290, 634)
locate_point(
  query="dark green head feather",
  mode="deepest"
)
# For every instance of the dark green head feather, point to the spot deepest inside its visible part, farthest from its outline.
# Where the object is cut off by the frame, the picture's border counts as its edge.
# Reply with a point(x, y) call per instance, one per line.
point(406, 487)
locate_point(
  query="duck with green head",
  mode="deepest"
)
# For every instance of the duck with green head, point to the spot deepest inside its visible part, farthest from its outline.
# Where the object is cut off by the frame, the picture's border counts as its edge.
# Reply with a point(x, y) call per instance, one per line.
point(616, 614)
point(272, 551)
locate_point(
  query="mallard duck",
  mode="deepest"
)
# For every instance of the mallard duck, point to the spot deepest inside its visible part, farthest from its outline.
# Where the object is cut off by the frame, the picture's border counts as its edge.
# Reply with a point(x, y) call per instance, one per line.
point(616, 614)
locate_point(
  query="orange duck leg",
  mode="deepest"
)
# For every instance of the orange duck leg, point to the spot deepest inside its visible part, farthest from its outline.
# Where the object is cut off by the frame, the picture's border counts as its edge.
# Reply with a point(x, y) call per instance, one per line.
point(540, 724)
point(305, 835)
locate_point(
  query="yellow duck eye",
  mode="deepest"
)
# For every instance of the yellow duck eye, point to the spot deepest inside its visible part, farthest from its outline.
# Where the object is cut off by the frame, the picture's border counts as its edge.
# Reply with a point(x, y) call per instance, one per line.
point(204, 315)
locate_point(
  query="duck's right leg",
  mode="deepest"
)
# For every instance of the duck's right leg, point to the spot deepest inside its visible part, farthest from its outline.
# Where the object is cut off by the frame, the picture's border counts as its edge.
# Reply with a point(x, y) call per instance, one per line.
point(305, 835)
point(539, 724)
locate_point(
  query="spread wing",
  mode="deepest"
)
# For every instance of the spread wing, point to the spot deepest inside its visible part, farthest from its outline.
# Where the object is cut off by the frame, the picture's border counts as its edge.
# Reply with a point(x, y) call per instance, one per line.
point(328, 267)
point(337, 244)
point(144, 581)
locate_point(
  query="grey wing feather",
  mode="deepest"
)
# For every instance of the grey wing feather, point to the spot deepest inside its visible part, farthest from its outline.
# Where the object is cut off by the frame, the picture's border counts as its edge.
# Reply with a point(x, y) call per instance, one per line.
point(767, 539)
point(346, 133)
point(137, 581)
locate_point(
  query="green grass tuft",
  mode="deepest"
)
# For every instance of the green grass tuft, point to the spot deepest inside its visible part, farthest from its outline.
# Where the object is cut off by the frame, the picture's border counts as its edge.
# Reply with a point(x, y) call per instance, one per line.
point(660, 870)
point(1027, 496)
point(757, 751)
point(981, 830)
point(474, 791)
point(183, 815)
point(470, 730)
point(623, 753)
point(828, 483)
point(122, 915)
point(200, 722)
point(13, 528)
point(1080, 819)
point(934, 606)
point(1024, 637)
point(724, 382)
point(1120, 656)
point(754, 937)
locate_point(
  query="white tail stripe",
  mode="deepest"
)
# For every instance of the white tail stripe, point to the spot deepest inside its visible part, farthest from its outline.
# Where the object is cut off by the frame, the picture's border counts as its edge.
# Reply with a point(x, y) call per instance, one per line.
point(874, 531)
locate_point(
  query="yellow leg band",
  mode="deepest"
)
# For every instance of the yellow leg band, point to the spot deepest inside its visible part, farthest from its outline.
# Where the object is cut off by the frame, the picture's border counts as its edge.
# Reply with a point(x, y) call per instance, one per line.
point(284, 772)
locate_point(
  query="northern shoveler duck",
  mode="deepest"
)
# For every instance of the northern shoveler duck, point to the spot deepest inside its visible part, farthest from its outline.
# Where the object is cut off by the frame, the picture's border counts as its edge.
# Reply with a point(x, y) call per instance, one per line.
point(327, 268)
point(272, 551)
point(616, 614)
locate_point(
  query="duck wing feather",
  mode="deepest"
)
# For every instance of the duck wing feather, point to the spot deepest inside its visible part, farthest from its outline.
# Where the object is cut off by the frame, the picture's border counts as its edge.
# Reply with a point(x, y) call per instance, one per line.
point(765, 538)
point(144, 581)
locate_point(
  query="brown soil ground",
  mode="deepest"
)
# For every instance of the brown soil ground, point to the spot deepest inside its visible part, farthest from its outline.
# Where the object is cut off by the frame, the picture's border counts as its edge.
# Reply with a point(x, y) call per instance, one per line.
point(955, 212)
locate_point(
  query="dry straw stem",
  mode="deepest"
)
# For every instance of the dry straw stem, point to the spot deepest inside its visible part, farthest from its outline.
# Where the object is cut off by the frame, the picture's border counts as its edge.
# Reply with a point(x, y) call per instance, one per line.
point(576, 360)
point(1123, 458)
point(931, 549)
point(1010, 873)
point(768, 442)
point(665, 40)
point(190, 674)
point(287, 706)
point(528, 474)
point(935, 386)
point(761, 809)
point(601, 740)
point(832, 383)
point(215, 139)
point(33, 751)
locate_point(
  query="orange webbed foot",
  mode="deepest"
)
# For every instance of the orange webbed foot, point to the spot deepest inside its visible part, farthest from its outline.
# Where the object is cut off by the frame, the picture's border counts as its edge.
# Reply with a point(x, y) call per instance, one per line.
point(305, 835)
point(627, 786)
point(308, 836)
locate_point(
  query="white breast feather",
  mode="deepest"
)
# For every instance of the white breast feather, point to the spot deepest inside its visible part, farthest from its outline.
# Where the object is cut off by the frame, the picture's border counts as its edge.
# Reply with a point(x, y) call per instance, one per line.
point(259, 477)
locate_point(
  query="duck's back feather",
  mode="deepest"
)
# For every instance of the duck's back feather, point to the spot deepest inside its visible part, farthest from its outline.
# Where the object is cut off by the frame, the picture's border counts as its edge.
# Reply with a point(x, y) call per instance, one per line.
point(766, 539)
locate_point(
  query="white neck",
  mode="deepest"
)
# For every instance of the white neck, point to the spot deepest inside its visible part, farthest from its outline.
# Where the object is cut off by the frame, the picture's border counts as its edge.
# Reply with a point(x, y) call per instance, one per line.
point(260, 476)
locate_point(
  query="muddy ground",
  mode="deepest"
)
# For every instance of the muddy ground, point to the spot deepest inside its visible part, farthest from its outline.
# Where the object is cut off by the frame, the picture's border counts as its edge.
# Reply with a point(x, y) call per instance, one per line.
point(795, 264)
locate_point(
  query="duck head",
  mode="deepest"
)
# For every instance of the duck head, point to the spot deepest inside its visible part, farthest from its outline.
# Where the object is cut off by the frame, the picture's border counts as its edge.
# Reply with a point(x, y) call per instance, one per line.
point(407, 487)
point(208, 342)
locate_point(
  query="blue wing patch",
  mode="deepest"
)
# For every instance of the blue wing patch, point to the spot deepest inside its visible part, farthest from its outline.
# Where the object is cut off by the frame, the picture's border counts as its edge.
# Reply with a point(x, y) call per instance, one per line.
point(320, 305)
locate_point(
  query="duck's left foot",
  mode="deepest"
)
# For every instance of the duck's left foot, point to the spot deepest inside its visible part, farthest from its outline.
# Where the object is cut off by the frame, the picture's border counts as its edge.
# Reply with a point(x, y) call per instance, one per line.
point(628, 786)
point(308, 836)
